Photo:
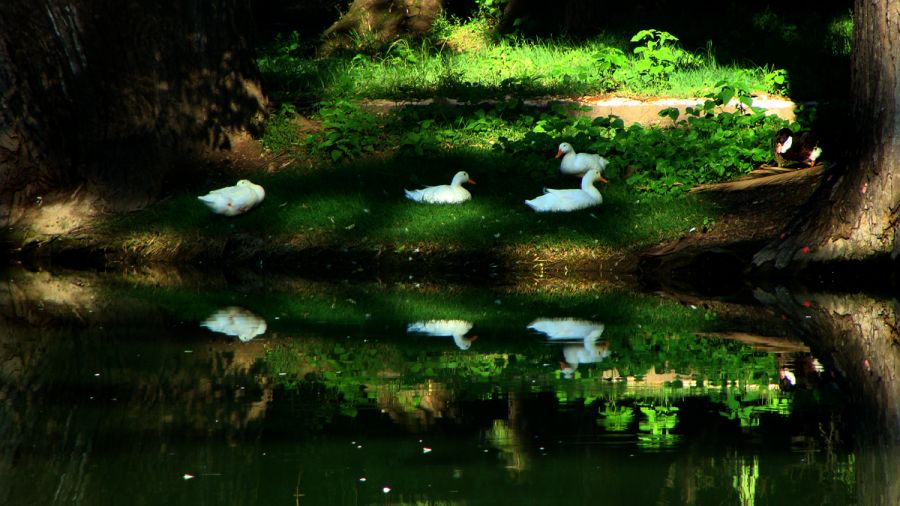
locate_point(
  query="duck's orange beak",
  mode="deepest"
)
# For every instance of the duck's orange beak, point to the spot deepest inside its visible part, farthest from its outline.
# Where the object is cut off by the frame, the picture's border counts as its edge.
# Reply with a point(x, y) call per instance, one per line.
point(470, 181)
point(558, 153)
point(602, 180)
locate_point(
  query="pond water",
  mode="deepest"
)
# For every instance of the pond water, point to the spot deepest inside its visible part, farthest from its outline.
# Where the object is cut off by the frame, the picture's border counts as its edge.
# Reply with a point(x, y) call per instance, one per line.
point(180, 389)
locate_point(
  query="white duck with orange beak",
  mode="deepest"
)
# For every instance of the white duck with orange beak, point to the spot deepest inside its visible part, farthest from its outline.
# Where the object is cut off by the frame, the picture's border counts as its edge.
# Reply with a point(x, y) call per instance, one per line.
point(576, 164)
point(569, 199)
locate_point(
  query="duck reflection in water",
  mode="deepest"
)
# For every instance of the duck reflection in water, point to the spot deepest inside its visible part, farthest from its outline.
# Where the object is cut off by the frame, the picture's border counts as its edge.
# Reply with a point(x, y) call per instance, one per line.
point(580, 338)
point(236, 321)
point(457, 329)
point(800, 371)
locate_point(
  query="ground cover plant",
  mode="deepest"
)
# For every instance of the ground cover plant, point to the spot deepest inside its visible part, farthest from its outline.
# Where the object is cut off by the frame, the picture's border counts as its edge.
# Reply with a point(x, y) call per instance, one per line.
point(651, 62)
point(357, 163)
point(344, 168)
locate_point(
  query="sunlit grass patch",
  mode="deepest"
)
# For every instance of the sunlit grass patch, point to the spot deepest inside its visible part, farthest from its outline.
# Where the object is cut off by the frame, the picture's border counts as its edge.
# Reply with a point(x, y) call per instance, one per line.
point(493, 67)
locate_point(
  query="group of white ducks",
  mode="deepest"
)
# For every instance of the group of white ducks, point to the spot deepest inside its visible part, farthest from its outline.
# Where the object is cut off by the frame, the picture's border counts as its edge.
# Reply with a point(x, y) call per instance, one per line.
point(245, 195)
point(588, 166)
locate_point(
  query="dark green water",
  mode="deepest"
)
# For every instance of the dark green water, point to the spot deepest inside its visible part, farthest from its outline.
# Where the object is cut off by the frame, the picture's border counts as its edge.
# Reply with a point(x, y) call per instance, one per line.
point(114, 393)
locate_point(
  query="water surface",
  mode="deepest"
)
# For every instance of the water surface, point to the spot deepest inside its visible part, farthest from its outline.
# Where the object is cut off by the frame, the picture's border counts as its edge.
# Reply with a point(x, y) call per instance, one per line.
point(265, 390)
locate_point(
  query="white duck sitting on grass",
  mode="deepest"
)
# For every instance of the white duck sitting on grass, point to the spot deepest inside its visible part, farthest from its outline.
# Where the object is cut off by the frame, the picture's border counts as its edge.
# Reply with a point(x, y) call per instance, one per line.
point(452, 193)
point(570, 200)
point(234, 200)
point(576, 164)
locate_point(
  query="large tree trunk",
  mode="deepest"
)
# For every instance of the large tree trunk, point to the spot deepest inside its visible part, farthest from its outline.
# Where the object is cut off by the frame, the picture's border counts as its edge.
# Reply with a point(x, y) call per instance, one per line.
point(380, 22)
point(103, 100)
point(854, 215)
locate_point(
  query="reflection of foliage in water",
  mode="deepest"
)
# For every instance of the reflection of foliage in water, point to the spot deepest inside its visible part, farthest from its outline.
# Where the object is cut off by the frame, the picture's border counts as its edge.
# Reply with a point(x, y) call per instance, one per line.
point(745, 479)
point(351, 340)
point(656, 428)
point(616, 418)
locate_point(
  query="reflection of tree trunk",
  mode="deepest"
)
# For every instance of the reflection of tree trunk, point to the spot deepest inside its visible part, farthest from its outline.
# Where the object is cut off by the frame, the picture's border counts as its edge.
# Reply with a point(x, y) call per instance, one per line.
point(877, 471)
point(855, 214)
point(857, 336)
point(106, 98)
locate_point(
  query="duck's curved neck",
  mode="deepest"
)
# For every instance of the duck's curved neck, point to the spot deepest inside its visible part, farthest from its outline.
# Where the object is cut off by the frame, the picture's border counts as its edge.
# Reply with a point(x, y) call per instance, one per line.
point(587, 185)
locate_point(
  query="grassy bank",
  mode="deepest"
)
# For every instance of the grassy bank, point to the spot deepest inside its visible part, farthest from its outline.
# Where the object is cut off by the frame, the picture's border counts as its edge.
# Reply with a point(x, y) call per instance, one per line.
point(338, 169)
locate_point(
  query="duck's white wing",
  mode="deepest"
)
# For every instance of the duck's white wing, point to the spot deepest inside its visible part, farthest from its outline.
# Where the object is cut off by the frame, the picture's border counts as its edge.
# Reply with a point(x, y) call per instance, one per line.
point(561, 200)
point(233, 200)
point(443, 194)
point(595, 161)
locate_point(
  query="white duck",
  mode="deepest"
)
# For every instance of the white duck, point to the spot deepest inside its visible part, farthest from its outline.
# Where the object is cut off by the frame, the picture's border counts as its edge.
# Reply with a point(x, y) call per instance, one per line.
point(452, 193)
point(234, 200)
point(442, 328)
point(236, 321)
point(576, 164)
point(570, 200)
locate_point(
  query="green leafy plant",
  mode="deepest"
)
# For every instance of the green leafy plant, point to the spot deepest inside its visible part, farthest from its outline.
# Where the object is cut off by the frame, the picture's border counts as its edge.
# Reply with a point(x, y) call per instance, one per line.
point(613, 66)
point(282, 133)
point(490, 9)
point(347, 131)
point(777, 80)
point(659, 56)
point(707, 144)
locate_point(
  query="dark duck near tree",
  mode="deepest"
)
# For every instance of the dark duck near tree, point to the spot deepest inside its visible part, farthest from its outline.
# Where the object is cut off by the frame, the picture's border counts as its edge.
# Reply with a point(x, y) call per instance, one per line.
point(796, 148)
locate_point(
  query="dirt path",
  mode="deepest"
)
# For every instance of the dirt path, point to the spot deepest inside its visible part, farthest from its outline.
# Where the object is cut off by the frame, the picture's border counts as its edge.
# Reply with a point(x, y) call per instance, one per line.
point(631, 110)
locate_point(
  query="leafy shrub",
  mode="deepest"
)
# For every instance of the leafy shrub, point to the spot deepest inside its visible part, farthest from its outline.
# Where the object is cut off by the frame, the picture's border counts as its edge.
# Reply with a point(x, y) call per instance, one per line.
point(613, 66)
point(347, 131)
point(708, 145)
point(282, 134)
point(777, 80)
point(659, 56)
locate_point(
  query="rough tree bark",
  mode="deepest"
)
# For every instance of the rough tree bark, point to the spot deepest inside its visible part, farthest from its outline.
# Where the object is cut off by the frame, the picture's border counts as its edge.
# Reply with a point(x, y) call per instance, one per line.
point(380, 21)
point(854, 215)
point(103, 100)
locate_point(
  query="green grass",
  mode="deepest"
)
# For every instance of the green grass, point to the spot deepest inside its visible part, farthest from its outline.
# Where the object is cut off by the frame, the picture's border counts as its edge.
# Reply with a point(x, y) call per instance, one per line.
point(482, 69)
point(508, 150)
point(358, 162)
point(363, 204)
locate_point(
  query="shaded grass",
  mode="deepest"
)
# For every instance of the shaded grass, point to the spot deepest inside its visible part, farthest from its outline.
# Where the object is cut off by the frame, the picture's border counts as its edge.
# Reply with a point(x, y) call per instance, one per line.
point(362, 204)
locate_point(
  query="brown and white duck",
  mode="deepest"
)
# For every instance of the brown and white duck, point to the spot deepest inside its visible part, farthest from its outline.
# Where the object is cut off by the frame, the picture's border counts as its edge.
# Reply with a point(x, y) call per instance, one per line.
point(796, 148)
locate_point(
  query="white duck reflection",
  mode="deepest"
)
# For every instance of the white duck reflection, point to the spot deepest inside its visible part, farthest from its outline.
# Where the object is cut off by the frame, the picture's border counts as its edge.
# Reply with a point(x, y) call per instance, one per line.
point(456, 329)
point(581, 338)
point(235, 321)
